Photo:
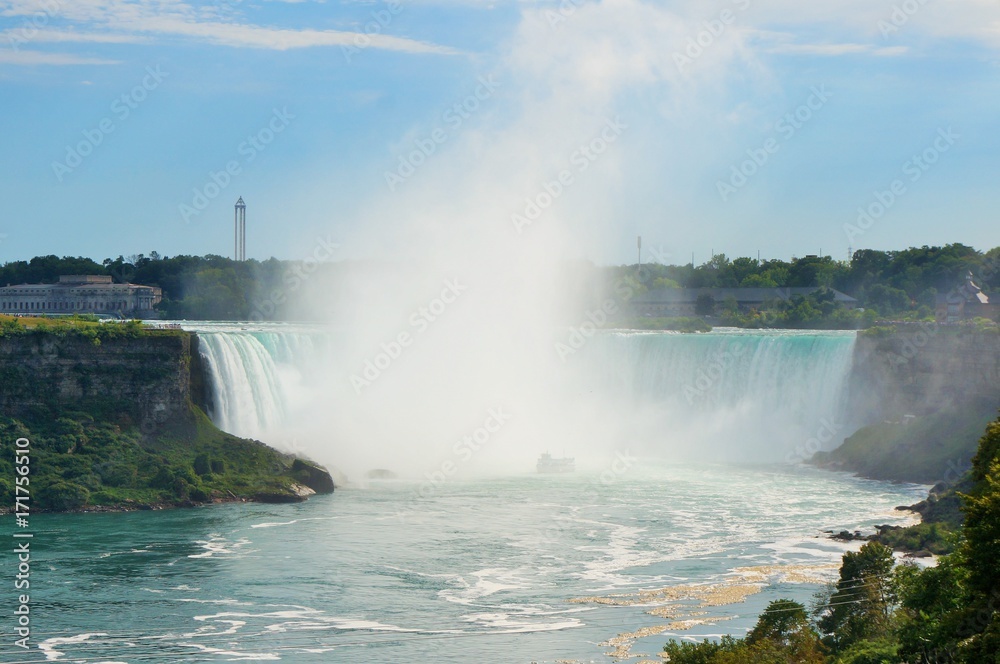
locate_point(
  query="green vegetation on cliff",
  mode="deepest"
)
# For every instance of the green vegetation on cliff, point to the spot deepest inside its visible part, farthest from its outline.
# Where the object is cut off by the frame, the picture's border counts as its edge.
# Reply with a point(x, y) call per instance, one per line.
point(882, 613)
point(78, 461)
point(934, 449)
point(87, 326)
point(927, 449)
point(109, 412)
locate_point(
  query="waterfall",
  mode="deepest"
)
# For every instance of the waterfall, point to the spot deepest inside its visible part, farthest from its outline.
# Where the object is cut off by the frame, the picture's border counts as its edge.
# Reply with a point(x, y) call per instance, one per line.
point(763, 392)
point(247, 391)
point(780, 394)
point(781, 371)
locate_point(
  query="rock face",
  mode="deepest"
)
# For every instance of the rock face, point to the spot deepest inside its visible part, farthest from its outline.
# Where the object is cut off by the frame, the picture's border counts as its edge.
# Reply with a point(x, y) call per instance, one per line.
point(924, 368)
point(314, 477)
point(296, 493)
point(148, 377)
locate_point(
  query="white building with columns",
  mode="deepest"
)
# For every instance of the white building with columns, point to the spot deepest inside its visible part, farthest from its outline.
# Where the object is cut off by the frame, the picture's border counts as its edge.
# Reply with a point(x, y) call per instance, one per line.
point(81, 294)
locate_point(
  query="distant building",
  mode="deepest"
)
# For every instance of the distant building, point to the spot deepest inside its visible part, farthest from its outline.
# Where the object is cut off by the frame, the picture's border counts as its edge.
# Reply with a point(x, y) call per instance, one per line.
point(683, 301)
point(962, 302)
point(81, 294)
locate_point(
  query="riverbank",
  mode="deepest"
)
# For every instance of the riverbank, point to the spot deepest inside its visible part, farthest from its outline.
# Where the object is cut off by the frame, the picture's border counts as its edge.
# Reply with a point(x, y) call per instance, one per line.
point(934, 449)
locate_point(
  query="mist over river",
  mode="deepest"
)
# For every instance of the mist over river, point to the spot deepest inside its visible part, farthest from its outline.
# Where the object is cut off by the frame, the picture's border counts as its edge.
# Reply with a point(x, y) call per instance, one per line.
point(688, 512)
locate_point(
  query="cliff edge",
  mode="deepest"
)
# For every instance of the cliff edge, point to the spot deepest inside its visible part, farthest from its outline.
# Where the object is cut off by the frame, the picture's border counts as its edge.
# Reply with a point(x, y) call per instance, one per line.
point(108, 414)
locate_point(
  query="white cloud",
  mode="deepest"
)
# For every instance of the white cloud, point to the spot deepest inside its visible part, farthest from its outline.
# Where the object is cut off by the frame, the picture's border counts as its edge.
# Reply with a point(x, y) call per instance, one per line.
point(280, 39)
point(834, 49)
point(128, 21)
point(17, 35)
point(30, 58)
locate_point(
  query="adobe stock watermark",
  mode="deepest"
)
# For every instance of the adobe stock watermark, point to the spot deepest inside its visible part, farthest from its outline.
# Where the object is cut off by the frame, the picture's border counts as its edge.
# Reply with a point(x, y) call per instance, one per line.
point(121, 109)
point(420, 320)
point(247, 151)
point(786, 128)
point(579, 335)
point(30, 27)
point(462, 451)
point(825, 433)
point(708, 376)
point(556, 17)
point(22, 541)
point(900, 16)
point(913, 343)
point(595, 319)
point(452, 120)
point(294, 277)
point(709, 34)
point(659, 255)
point(913, 169)
point(580, 160)
point(381, 19)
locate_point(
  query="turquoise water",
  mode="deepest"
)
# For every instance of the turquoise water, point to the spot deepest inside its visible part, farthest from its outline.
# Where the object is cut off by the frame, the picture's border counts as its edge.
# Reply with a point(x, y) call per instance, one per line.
point(458, 571)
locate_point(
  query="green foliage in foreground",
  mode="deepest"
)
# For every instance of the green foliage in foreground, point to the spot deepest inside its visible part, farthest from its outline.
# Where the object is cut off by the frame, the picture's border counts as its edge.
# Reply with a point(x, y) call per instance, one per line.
point(686, 324)
point(936, 538)
point(78, 462)
point(882, 613)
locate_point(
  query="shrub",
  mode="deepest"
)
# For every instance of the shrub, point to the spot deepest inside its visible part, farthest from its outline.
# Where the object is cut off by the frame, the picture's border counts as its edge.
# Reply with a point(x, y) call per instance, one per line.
point(62, 496)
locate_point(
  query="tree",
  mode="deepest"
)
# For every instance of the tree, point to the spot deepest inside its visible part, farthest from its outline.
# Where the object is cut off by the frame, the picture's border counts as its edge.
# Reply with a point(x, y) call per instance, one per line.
point(782, 621)
point(864, 600)
point(704, 305)
point(782, 635)
point(887, 299)
point(758, 281)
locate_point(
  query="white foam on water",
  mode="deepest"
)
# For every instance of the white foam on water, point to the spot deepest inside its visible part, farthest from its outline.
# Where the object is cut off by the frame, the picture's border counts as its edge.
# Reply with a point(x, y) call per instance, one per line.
point(504, 623)
point(233, 626)
point(235, 654)
point(487, 582)
point(217, 545)
point(48, 646)
point(277, 524)
point(108, 554)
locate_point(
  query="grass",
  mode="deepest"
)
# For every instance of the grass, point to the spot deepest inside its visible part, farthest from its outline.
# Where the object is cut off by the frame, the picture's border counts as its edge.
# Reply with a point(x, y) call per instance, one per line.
point(85, 325)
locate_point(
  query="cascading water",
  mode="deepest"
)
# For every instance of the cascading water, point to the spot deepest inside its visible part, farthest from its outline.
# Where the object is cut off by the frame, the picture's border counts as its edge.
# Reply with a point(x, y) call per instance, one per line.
point(749, 395)
point(248, 397)
point(773, 395)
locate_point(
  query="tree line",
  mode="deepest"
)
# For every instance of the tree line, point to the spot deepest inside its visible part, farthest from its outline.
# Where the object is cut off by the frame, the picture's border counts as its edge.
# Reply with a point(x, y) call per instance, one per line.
point(890, 284)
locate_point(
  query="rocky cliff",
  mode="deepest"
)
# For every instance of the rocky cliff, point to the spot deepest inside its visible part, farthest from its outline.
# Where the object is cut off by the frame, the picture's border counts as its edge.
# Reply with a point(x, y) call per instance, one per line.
point(146, 377)
point(924, 368)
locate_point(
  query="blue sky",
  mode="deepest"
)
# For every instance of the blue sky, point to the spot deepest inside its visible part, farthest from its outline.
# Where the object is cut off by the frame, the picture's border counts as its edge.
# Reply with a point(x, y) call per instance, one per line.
point(312, 105)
